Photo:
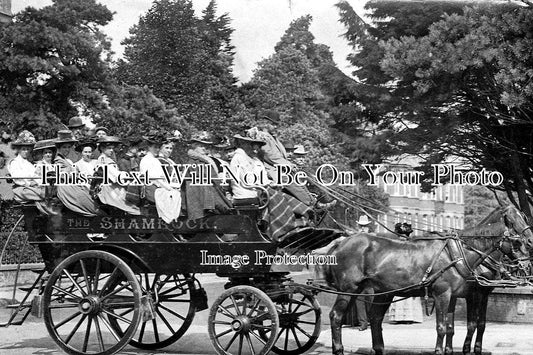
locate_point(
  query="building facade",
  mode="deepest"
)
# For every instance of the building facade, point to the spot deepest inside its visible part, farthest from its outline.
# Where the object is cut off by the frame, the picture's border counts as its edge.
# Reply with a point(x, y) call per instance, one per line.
point(441, 210)
point(5, 11)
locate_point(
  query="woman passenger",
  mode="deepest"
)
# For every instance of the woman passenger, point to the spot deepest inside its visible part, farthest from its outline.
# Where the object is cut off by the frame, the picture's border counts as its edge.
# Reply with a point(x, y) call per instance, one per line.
point(74, 196)
point(166, 196)
point(113, 194)
point(22, 170)
point(86, 164)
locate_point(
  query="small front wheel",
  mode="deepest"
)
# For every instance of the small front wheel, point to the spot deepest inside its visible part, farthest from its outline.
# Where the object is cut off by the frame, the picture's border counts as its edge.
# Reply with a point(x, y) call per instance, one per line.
point(243, 320)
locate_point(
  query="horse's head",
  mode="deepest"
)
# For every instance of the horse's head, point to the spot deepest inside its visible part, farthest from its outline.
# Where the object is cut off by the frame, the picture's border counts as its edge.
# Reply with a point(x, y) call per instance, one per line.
point(518, 224)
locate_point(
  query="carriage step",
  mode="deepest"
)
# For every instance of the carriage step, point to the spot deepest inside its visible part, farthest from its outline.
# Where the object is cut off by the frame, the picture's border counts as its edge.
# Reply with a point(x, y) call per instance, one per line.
point(26, 289)
point(18, 305)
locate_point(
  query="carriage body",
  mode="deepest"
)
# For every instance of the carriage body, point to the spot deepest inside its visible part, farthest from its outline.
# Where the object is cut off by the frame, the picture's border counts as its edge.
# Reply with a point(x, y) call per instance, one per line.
point(156, 263)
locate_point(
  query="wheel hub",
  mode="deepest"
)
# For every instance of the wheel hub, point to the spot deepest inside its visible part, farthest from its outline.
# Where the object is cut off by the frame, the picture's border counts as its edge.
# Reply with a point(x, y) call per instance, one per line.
point(89, 305)
point(241, 324)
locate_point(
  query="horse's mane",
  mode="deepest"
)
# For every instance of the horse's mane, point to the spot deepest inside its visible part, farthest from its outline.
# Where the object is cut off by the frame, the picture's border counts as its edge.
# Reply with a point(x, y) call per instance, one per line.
point(492, 225)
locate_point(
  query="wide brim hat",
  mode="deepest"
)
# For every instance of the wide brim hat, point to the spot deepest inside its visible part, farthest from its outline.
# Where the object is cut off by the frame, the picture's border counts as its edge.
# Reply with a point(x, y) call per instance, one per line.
point(64, 136)
point(109, 140)
point(202, 137)
point(24, 139)
point(85, 143)
point(270, 115)
point(289, 146)
point(363, 220)
point(248, 139)
point(101, 128)
point(45, 144)
point(154, 137)
point(299, 149)
point(222, 142)
point(75, 122)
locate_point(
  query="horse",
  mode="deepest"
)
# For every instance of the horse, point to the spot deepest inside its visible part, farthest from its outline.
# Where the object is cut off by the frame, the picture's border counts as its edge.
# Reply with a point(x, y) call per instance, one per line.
point(387, 267)
point(478, 296)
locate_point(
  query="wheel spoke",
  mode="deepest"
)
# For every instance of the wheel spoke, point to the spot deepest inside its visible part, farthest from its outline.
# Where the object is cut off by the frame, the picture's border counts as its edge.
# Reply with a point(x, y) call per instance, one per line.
point(165, 321)
point(306, 322)
point(171, 312)
point(252, 310)
point(87, 334)
point(108, 326)
point(126, 312)
point(305, 312)
point(108, 281)
point(84, 271)
point(224, 333)
point(74, 282)
point(250, 343)
point(114, 292)
point(66, 292)
point(296, 338)
point(66, 320)
point(99, 334)
point(241, 338)
point(63, 305)
point(258, 337)
point(303, 331)
point(114, 315)
point(286, 338)
point(141, 333)
point(156, 333)
point(75, 329)
point(231, 341)
point(226, 312)
point(221, 322)
point(235, 304)
point(96, 275)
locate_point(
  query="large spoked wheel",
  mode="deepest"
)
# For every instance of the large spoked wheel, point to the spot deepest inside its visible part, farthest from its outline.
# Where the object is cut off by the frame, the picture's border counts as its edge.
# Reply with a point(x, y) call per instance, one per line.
point(82, 293)
point(300, 320)
point(173, 308)
point(238, 318)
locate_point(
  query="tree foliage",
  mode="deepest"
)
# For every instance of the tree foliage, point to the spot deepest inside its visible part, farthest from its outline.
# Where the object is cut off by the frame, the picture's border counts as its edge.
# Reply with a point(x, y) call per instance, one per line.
point(457, 84)
point(185, 59)
point(53, 63)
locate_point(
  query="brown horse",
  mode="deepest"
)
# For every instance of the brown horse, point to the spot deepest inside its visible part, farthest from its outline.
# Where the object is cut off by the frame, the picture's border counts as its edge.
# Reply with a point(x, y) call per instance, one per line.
point(388, 267)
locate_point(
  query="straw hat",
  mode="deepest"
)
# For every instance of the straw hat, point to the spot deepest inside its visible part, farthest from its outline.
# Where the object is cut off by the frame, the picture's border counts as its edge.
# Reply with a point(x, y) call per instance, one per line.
point(45, 144)
point(64, 136)
point(363, 220)
point(299, 150)
point(203, 137)
point(101, 128)
point(248, 139)
point(109, 140)
point(24, 139)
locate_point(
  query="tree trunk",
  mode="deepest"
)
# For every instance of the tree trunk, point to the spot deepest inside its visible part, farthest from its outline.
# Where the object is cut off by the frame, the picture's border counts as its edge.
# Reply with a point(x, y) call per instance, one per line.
point(520, 185)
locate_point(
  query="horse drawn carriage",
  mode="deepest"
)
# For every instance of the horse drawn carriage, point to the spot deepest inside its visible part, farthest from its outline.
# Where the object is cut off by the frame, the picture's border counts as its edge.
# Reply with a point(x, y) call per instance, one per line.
point(116, 279)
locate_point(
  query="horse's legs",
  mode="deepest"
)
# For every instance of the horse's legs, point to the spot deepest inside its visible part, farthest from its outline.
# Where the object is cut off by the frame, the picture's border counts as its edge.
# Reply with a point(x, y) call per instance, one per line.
point(471, 320)
point(335, 317)
point(448, 350)
point(442, 302)
point(483, 300)
point(376, 314)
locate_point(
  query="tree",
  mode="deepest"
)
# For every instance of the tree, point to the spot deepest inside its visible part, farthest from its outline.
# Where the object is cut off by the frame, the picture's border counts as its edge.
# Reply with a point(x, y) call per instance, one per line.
point(475, 86)
point(186, 61)
point(53, 64)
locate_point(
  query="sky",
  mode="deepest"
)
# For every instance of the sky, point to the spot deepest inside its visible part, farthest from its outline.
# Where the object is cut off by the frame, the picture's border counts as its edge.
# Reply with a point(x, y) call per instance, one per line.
point(258, 25)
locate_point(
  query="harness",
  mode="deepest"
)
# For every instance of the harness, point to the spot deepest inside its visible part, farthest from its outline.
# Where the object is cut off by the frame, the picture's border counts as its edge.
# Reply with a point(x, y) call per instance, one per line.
point(455, 249)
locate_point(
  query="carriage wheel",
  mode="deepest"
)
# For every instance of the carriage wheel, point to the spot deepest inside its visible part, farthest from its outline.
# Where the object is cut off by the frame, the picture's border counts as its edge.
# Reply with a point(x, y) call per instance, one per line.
point(299, 323)
point(83, 291)
point(238, 317)
point(173, 310)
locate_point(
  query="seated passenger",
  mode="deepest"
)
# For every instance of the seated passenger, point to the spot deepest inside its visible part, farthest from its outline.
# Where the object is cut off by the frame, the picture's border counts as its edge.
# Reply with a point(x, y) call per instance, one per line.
point(86, 164)
point(112, 194)
point(76, 198)
point(25, 188)
point(44, 153)
point(208, 199)
point(285, 212)
point(130, 159)
point(167, 197)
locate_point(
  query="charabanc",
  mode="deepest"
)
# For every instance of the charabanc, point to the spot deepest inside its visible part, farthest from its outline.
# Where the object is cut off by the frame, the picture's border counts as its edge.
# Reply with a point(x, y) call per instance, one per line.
point(118, 279)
